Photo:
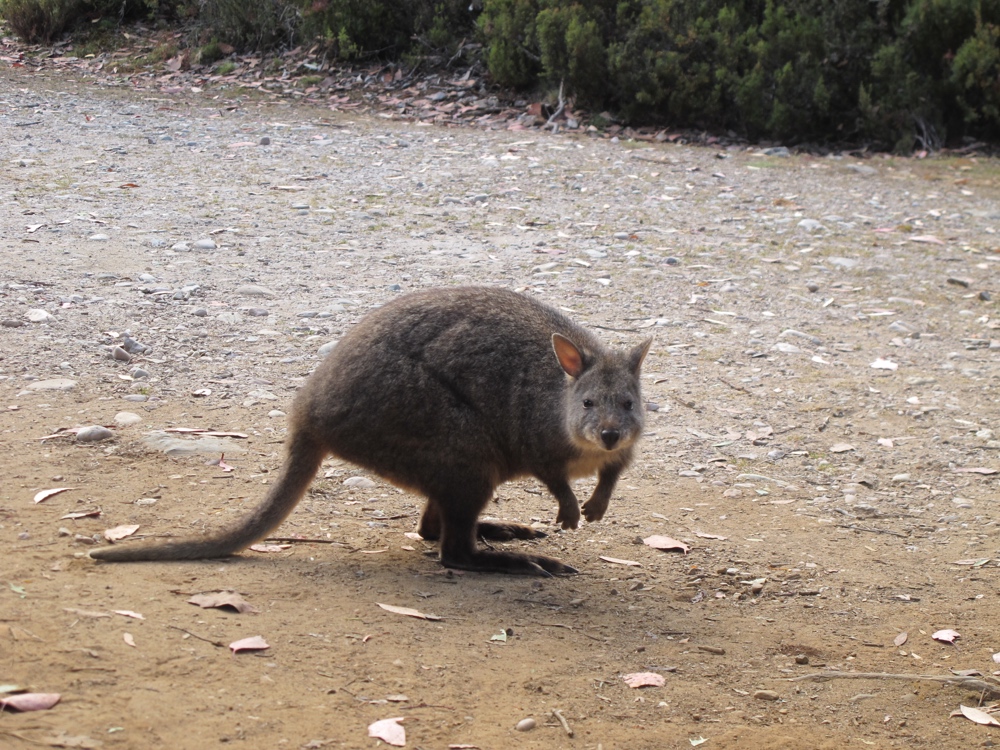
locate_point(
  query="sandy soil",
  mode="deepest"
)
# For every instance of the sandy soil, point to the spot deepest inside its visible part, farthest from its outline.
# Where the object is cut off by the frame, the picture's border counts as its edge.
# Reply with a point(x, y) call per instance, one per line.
point(830, 506)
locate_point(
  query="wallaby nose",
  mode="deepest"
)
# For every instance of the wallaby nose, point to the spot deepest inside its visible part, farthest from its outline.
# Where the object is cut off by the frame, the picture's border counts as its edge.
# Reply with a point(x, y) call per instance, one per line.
point(610, 438)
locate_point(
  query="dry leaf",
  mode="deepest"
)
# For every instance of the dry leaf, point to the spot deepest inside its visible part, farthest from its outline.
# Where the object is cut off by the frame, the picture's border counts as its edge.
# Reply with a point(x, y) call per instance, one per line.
point(85, 612)
point(407, 611)
point(644, 679)
point(81, 514)
point(228, 599)
point(129, 640)
point(900, 639)
point(120, 532)
point(46, 494)
point(665, 543)
point(68, 740)
point(978, 470)
point(269, 547)
point(945, 636)
point(389, 731)
point(978, 715)
point(128, 613)
point(413, 535)
point(254, 643)
point(616, 561)
point(703, 535)
point(29, 701)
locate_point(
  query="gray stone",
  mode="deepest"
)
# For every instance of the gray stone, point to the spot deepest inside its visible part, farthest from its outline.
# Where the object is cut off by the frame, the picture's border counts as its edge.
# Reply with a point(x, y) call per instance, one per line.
point(93, 434)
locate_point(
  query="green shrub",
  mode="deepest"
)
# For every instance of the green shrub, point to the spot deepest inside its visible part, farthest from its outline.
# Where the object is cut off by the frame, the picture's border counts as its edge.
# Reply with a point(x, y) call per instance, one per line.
point(39, 21)
point(251, 24)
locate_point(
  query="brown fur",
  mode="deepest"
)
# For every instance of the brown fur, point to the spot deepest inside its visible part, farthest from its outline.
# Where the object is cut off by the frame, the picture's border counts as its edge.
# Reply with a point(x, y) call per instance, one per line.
point(449, 393)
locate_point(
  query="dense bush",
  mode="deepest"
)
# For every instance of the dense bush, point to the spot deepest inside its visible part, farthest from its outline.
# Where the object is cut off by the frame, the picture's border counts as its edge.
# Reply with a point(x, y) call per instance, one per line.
point(898, 71)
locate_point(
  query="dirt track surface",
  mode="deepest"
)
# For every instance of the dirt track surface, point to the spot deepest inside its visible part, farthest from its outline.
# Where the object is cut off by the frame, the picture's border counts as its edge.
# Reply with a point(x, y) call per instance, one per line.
point(830, 506)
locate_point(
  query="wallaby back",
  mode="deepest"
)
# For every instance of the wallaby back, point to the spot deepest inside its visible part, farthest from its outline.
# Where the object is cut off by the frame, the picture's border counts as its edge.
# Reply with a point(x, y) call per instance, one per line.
point(448, 393)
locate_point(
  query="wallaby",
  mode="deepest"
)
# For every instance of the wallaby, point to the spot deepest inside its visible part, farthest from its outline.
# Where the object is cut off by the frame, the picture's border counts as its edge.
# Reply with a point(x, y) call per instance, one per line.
point(449, 393)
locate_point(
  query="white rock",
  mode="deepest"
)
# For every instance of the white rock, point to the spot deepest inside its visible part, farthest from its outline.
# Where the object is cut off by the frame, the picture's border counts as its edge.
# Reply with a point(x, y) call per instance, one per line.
point(93, 434)
point(253, 290)
point(99, 237)
point(205, 244)
point(810, 225)
point(37, 315)
point(55, 384)
point(362, 482)
point(327, 348)
point(125, 418)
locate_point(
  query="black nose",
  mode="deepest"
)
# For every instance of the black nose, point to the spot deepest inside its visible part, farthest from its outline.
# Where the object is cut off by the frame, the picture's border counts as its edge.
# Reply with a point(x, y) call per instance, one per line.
point(610, 438)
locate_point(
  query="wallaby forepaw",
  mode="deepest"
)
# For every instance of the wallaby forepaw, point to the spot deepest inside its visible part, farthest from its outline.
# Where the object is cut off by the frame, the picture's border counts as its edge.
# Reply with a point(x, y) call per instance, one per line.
point(568, 520)
point(594, 511)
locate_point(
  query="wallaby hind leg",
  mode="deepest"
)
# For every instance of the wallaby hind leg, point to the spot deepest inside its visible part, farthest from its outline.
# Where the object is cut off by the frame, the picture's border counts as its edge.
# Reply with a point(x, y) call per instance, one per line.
point(430, 527)
point(459, 510)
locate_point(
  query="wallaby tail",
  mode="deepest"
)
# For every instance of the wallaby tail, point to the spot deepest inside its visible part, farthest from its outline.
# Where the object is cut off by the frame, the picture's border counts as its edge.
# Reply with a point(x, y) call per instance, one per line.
point(304, 457)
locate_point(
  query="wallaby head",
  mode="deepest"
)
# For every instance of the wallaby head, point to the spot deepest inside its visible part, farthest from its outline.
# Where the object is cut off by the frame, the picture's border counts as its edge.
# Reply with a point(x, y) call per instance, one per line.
point(603, 407)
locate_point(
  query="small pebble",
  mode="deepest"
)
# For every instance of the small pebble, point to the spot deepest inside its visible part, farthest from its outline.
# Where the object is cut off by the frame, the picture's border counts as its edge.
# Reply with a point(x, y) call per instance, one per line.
point(801, 659)
point(12, 323)
point(181, 247)
point(275, 413)
point(99, 237)
point(138, 373)
point(812, 286)
point(327, 348)
point(55, 384)
point(253, 290)
point(126, 418)
point(766, 695)
point(120, 354)
point(265, 141)
point(526, 725)
point(200, 312)
point(362, 482)
point(205, 244)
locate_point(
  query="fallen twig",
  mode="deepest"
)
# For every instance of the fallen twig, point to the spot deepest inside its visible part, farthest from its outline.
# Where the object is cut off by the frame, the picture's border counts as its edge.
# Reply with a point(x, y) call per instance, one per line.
point(562, 720)
point(300, 540)
point(220, 644)
point(855, 527)
point(991, 690)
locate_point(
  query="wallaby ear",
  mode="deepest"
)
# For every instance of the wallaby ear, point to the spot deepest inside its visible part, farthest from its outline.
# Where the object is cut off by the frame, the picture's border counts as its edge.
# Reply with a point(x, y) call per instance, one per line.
point(569, 356)
point(638, 354)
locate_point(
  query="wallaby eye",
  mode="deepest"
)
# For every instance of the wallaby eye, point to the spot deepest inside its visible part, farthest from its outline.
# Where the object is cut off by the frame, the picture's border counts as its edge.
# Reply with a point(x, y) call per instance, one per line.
point(628, 405)
point(587, 403)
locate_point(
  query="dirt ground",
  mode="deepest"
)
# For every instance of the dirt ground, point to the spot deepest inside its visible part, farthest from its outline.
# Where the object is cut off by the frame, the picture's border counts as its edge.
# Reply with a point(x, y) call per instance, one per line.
point(830, 506)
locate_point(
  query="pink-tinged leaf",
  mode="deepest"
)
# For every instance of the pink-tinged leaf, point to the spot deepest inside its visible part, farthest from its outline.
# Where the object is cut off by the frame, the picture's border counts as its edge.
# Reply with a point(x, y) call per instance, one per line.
point(665, 543)
point(128, 613)
point(978, 715)
point(644, 679)
point(977, 470)
point(269, 547)
point(703, 535)
point(120, 532)
point(46, 494)
point(900, 639)
point(29, 702)
point(129, 640)
point(945, 636)
point(617, 561)
point(389, 731)
point(223, 599)
point(407, 611)
point(254, 643)
point(927, 239)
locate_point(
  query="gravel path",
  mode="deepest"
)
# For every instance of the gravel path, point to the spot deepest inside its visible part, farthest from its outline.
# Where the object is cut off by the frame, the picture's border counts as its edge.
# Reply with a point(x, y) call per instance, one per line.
point(822, 398)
